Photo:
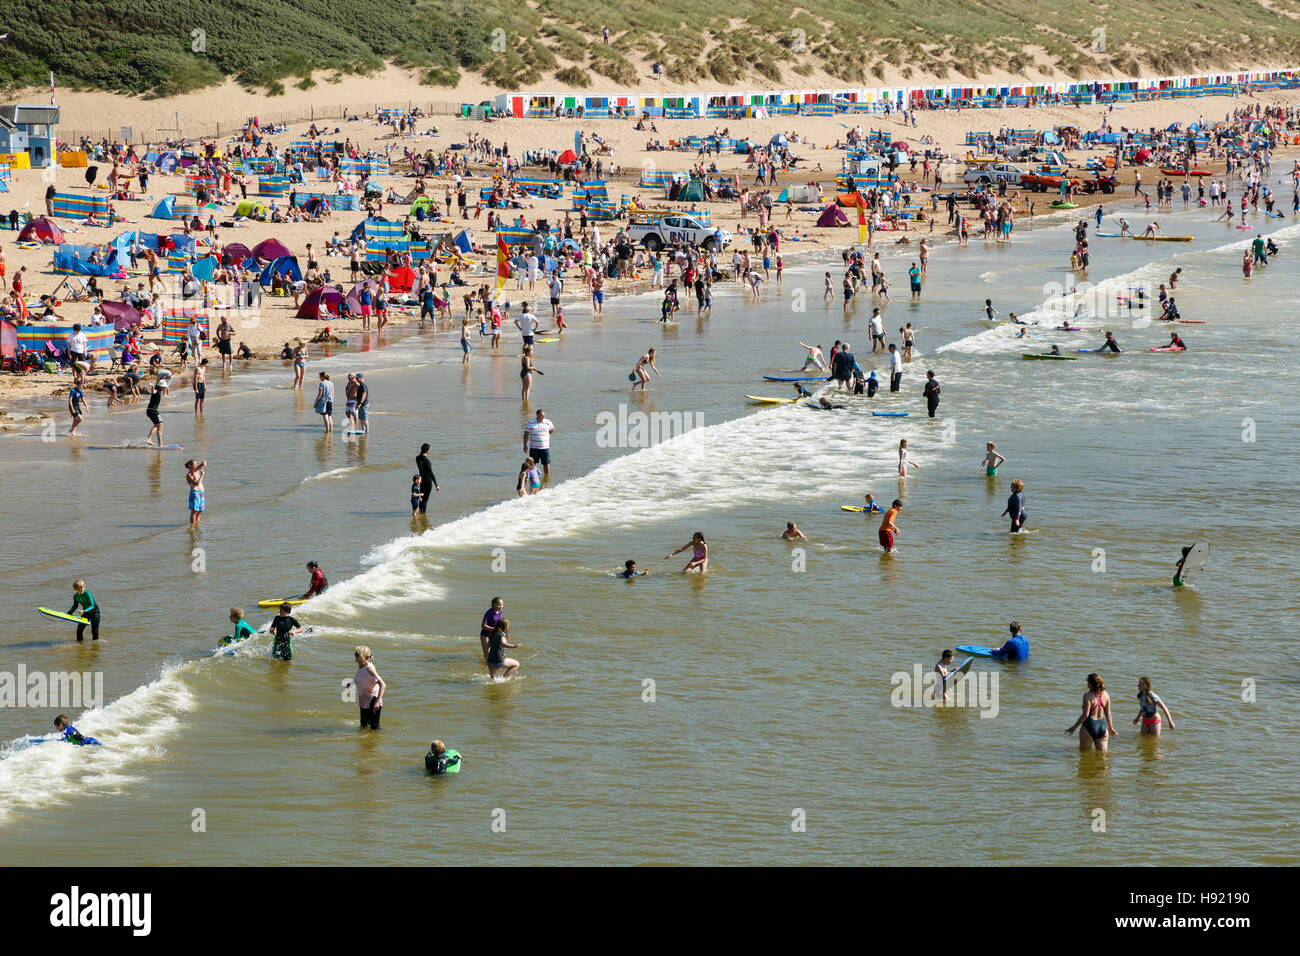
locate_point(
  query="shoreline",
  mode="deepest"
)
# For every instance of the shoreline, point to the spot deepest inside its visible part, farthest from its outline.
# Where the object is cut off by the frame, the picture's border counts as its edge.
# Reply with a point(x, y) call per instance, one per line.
point(628, 158)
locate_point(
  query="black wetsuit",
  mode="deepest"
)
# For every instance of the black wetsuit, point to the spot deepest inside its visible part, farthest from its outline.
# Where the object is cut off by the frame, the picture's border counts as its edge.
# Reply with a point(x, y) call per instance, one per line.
point(281, 626)
point(427, 480)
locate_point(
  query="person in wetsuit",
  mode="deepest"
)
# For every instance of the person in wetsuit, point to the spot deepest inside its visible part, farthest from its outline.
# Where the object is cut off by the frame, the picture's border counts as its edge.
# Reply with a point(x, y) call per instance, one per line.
point(284, 625)
point(243, 630)
point(83, 602)
point(318, 583)
point(1016, 648)
point(71, 734)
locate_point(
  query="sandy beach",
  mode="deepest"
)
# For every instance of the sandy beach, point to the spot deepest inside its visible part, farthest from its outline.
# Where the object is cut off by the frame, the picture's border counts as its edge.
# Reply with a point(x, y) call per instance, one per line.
point(942, 132)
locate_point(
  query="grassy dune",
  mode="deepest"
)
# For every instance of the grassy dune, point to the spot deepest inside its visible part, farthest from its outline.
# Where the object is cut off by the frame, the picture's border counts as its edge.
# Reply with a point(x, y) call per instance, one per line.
point(165, 47)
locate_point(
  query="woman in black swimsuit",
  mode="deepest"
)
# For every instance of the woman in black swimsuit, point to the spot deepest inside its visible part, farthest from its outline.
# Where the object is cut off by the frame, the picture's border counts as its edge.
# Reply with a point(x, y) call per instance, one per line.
point(1095, 716)
point(526, 370)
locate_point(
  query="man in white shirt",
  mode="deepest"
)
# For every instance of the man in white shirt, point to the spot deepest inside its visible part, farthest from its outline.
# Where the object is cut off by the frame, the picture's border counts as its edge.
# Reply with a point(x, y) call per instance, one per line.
point(531, 263)
point(556, 285)
point(895, 368)
point(877, 331)
point(537, 441)
point(527, 324)
point(195, 336)
point(78, 349)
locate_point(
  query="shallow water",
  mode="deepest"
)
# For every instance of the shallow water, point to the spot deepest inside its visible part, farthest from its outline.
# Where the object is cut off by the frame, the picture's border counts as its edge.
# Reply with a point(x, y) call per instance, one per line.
point(772, 673)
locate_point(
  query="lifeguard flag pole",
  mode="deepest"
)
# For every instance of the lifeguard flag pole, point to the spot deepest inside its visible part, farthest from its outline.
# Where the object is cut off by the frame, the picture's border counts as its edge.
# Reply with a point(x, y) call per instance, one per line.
point(503, 266)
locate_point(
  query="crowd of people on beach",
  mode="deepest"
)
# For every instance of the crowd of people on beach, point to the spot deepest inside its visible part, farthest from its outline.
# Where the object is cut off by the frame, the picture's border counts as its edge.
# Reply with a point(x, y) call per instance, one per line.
point(576, 255)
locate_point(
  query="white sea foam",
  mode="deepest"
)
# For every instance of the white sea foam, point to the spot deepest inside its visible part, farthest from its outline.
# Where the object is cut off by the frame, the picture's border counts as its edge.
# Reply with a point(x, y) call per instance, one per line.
point(131, 729)
point(332, 473)
point(703, 469)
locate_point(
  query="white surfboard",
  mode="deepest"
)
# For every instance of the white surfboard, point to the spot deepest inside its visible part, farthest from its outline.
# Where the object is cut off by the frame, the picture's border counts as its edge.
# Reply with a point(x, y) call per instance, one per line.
point(1195, 563)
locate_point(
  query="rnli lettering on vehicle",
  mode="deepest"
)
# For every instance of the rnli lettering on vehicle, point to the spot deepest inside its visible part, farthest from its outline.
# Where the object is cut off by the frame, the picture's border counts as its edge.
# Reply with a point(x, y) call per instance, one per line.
point(681, 235)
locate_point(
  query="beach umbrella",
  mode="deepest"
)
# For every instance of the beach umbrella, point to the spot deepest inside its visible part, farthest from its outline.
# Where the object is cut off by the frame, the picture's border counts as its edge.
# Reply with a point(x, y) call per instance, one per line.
point(568, 156)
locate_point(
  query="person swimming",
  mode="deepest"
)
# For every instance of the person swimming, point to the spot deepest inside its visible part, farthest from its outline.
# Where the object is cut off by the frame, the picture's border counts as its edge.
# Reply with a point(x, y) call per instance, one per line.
point(71, 734)
point(630, 571)
point(438, 762)
point(792, 533)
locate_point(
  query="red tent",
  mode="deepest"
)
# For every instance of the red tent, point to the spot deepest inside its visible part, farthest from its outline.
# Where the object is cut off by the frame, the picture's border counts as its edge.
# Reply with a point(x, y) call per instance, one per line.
point(43, 230)
point(321, 303)
point(270, 249)
point(402, 279)
point(236, 252)
point(568, 156)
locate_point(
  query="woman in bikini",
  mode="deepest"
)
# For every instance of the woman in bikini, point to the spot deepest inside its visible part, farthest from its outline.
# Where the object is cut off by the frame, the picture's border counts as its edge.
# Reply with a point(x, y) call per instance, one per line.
point(299, 363)
point(642, 376)
point(1094, 719)
point(699, 554)
point(1151, 705)
point(526, 370)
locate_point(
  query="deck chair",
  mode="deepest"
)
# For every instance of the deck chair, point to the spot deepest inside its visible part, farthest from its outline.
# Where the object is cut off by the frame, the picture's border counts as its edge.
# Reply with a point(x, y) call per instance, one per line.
point(77, 287)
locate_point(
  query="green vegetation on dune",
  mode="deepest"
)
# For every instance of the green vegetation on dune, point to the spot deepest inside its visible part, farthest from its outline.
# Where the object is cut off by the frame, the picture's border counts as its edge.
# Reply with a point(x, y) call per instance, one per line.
point(163, 47)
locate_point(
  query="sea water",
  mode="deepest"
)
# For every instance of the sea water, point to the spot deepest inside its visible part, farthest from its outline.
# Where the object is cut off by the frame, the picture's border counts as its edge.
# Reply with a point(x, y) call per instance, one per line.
point(742, 716)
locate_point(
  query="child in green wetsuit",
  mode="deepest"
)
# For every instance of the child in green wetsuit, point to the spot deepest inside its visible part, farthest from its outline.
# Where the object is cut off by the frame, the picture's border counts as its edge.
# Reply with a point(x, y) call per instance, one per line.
point(243, 630)
point(83, 603)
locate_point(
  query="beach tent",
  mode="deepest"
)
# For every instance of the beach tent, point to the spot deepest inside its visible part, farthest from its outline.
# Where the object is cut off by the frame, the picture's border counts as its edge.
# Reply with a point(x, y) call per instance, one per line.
point(315, 205)
point(402, 279)
point(235, 253)
point(282, 265)
point(123, 315)
point(566, 157)
point(692, 191)
point(832, 215)
point(427, 204)
point(778, 140)
point(463, 241)
point(249, 207)
point(354, 297)
point(205, 269)
point(175, 207)
point(322, 303)
point(798, 194)
point(269, 249)
point(166, 162)
point(41, 230)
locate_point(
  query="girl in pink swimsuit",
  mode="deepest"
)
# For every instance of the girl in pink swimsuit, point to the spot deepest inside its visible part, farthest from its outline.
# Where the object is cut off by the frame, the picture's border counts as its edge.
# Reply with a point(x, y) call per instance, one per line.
point(699, 554)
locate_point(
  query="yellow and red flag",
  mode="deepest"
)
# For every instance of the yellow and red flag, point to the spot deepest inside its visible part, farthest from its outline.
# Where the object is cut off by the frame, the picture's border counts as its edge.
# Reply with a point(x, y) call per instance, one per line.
point(503, 265)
